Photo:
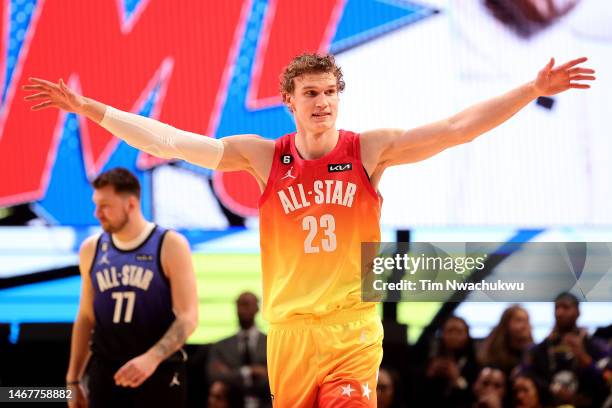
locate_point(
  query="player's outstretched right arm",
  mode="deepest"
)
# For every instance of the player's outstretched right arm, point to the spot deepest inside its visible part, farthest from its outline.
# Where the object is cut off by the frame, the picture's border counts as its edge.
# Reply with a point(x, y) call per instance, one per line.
point(149, 135)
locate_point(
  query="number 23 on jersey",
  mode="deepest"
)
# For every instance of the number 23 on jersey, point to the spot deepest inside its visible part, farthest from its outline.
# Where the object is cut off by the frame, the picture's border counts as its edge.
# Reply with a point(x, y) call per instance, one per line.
point(312, 243)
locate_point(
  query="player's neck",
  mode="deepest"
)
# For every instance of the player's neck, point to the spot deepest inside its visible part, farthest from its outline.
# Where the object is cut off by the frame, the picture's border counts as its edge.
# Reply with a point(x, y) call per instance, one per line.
point(132, 230)
point(312, 145)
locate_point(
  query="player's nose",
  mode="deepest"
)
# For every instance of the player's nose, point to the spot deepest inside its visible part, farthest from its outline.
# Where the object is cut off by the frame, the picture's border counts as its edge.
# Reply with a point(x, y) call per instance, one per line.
point(321, 100)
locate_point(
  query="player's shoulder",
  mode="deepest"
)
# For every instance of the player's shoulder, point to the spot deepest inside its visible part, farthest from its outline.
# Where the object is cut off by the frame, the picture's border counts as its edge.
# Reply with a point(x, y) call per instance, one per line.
point(174, 240)
point(88, 246)
point(263, 144)
point(251, 146)
point(87, 252)
point(372, 141)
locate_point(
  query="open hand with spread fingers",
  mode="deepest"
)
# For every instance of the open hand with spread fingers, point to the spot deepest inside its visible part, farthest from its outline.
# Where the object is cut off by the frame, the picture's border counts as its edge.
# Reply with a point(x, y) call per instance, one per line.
point(53, 95)
point(552, 80)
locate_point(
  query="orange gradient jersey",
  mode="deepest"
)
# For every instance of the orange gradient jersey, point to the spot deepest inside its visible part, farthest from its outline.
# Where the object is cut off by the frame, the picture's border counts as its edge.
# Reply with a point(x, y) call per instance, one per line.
point(314, 215)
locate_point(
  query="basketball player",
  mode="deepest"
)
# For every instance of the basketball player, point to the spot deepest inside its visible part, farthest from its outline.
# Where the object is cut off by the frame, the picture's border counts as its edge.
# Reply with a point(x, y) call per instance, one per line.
point(138, 305)
point(319, 202)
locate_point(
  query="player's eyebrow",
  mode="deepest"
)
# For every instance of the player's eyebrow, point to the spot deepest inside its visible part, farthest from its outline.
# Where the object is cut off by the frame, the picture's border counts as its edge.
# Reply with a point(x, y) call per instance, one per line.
point(316, 87)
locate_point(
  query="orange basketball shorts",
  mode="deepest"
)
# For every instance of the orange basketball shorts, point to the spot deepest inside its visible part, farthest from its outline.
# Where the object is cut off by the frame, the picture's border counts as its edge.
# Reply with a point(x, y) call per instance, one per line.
point(325, 362)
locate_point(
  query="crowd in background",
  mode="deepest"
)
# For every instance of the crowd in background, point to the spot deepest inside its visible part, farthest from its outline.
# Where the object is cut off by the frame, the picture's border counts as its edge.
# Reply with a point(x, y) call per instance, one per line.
point(569, 368)
point(507, 369)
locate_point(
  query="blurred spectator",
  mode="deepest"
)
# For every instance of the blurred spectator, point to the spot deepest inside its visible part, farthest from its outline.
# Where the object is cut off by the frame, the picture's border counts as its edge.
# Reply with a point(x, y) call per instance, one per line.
point(528, 393)
point(490, 388)
point(240, 360)
point(452, 367)
point(388, 393)
point(223, 395)
point(505, 345)
point(527, 17)
point(568, 360)
point(604, 333)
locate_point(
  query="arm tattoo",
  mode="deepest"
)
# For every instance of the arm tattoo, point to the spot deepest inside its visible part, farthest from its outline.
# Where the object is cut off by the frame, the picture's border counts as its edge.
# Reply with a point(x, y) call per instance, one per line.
point(172, 340)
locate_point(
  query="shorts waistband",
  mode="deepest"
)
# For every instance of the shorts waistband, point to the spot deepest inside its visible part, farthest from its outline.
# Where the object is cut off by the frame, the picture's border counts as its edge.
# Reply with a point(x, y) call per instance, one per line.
point(336, 317)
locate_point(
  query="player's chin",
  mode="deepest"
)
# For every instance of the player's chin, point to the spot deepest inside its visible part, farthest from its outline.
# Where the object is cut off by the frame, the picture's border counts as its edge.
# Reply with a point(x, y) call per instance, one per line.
point(323, 123)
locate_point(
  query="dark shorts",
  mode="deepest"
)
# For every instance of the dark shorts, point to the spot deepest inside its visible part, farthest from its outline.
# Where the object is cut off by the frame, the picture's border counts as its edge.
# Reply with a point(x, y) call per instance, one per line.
point(165, 388)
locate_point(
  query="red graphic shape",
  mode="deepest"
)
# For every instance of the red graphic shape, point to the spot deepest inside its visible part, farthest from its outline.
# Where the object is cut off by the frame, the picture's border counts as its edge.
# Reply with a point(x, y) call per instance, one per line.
point(290, 28)
point(86, 42)
point(238, 191)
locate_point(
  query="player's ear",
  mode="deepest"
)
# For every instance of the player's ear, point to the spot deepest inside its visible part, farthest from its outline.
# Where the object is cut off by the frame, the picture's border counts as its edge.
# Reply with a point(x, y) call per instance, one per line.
point(287, 100)
point(133, 202)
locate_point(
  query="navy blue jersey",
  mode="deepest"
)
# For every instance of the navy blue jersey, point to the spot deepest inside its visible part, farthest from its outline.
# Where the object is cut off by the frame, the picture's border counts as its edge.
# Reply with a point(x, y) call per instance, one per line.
point(132, 298)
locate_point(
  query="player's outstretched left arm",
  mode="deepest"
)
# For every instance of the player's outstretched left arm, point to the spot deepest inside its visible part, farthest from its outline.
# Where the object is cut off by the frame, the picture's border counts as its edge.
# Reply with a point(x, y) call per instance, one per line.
point(177, 263)
point(388, 147)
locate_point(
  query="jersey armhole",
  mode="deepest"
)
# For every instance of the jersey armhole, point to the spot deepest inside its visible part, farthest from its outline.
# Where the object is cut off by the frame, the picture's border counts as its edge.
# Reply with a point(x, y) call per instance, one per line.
point(95, 255)
point(160, 266)
point(362, 170)
point(272, 175)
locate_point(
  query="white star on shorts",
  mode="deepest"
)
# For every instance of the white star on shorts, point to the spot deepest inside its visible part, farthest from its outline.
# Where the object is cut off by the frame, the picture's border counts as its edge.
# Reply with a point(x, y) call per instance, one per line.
point(366, 391)
point(175, 380)
point(347, 390)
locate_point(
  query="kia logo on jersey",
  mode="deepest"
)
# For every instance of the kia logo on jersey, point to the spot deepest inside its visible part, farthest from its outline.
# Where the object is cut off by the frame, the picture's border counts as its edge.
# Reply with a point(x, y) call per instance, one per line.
point(144, 257)
point(333, 168)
